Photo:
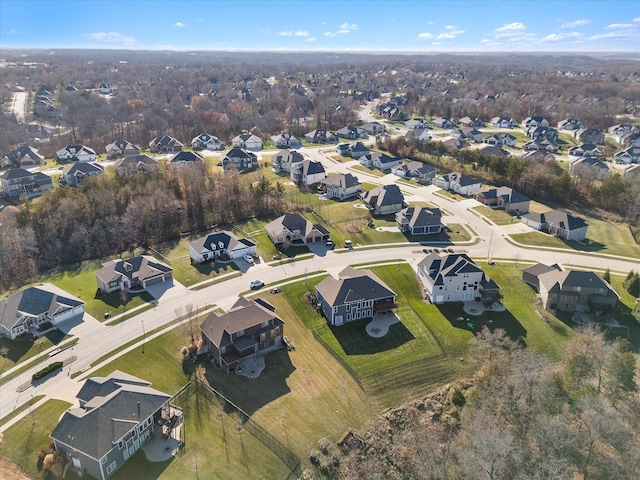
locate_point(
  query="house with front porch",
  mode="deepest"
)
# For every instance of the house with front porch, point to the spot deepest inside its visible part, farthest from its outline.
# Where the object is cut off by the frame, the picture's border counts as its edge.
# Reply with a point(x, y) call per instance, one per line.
point(501, 139)
point(239, 159)
point(117, 415)
point(354, 295)
point(77, 153)
point(21, 157)
point(121, 148)
point(571, 124)
point(286, 160)
point(26, 311)
point(506, 198)
point(222, 245)
point(16, 182)
point(247, 141)
point(570, 290)
point(459, 183)
point(455, 278)
point(165, 144)
point(379, 160)
point(534, 122)
point(628, 156)
point(294, 229)
point(248, 328)
point(341, 185)
point(204, 141)
point(137, 273)
point(560, 224)
point(586, 150)
point(503, 122)
point(420, 220)
point(285, 140)
point(384, 199)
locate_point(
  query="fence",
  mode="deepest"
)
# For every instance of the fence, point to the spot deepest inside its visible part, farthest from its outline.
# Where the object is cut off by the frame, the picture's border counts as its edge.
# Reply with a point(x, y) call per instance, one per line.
point(317, 330)
point(200, 387)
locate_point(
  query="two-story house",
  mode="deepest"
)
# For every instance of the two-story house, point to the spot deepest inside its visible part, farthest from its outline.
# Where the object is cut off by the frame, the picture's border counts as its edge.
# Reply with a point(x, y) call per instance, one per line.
point(248, 328)
point(285, 160)
point(294, 229)
point(75, 174)
point(455, 278)
point(589, 168)
point(570, 290)
point(26, 311)
point(239, 159)
point(18, 181)
point(354, 295)
point(21, 157)
point(459, 183)
point(419, 220)
point(374, 128)
point(341, 186)
point(384, 199)
point(204, 141)
point(117, 415)
point(307, 172)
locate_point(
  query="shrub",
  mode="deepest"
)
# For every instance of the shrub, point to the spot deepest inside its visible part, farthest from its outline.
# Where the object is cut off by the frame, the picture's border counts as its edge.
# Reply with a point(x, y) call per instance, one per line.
point(52, 367)
point(456, 396)
point(184, 351)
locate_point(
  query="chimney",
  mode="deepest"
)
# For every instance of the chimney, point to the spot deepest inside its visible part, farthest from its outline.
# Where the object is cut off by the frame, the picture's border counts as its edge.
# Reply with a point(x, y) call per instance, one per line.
point(138, 411)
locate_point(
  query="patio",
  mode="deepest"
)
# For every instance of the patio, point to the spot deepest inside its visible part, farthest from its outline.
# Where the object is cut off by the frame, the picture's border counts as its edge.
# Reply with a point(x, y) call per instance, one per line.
point(165, 442)
point(379, 326)
point(478, 308)
point(252, 366)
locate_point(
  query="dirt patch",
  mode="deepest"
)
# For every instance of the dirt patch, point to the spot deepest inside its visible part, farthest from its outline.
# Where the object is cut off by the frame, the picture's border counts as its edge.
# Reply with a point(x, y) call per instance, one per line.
point(10, 471)
point(352, 229)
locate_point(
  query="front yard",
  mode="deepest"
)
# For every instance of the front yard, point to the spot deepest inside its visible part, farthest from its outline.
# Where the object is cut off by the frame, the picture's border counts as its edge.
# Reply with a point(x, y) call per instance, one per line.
point(497, 216)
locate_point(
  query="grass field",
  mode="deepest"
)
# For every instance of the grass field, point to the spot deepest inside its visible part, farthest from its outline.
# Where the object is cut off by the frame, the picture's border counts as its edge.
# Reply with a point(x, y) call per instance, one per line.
point(497, 216)
point(21, 409)
point(369, 170)
point(602, 237)
point(13, 352)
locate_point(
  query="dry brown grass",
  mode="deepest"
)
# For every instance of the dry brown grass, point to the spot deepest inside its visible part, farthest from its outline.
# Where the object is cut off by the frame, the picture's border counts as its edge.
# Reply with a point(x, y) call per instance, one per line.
point(10, 471)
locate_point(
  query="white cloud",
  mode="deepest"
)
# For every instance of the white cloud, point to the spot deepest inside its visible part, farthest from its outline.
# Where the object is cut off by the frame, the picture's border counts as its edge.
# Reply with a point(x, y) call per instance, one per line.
point(180, 25)
point(576, 23)
point(557, 37)
point(295, 33)
point(111, 37)
point(342, 29)
point(349, 27)
point(310, 39)
point(449, 27)
point(426, 35)
point(619, 26)
point(636, 20)
point(511, 27)
point(615, 34)
point(444, 36)
point(329, 34)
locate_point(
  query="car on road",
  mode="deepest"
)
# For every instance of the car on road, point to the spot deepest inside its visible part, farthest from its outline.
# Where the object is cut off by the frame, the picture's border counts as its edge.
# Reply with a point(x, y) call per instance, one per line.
point(248, 258)
point(256, 284)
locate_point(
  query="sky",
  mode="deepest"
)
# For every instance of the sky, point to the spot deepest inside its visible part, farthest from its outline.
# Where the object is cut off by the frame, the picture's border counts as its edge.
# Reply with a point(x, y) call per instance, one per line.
point(325, 25)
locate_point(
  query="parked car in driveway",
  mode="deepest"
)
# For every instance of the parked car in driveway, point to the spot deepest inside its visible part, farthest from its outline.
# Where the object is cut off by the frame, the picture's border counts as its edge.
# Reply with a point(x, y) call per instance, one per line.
point(248, 259)
point(256, 284)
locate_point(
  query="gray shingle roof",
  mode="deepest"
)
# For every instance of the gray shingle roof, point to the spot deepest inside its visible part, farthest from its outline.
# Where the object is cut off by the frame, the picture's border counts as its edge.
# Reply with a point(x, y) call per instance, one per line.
point(353, 285)
point(32, 302)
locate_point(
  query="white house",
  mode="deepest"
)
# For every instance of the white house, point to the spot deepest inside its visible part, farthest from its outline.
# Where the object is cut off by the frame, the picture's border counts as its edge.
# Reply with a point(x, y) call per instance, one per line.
point(78, 153)
point(307, 172)
point(222, 244)
point(247, 141)
point(204, 141)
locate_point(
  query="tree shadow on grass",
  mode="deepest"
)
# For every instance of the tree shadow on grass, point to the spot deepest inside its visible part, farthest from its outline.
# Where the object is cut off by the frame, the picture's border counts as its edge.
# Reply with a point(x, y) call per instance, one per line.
point(491, 320)
point(354, 339)
point(251, 394)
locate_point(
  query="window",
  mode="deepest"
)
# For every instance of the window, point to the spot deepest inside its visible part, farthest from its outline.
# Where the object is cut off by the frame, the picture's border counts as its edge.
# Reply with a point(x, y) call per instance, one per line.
point(104, 460)
point(111, 468)
point(120, 445)
point(265, 323)
point(239, 333)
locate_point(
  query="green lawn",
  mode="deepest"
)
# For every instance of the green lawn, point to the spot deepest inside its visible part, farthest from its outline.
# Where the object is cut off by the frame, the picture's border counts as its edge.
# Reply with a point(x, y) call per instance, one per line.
point(22, 441)
point(369, 170)
point(450, 195)
point(13, 352)
point(602, 237)
point(499, 217)
point(21, 409)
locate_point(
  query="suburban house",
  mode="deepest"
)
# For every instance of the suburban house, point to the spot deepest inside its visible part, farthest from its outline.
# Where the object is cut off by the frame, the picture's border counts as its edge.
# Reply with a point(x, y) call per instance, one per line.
point(285, 160)
point(470, 121)
point(248, 328)
point(239, 159)
point(350, 132)
point(117, 415)
point(589, 168)
point(74, 174)
point(455, 278)
point(541, 144)
point(183, 159)
point(165, 144)
point(121, 148)
point(379, 160)
point(500, 139)
point(389, 110)
point(222, 245)
point(459, 183)
point(570, 290)
point(319, 136)
point(634, 170)
point(570, 124)
point(415, 169)
point(453, 144)
point(137, 273)
point(204, 141)
point(18, 181)
point(503, 122)
point(622, 131)
point(493, 150)
point(307, 172)
point(284, 140)
point(353, 149)
point(534, 122)
point(586, 150)
point(542, 132)
point(374, 128)
point(539, 156)
point(247, 141)
point(416, 123)
point(356, 294)
point(418, 134)
point(383, 200)
point(294, 229)
point(469, 133)
point(21, 157)
point(26, 311)
point(629, 155)
point(557, 223)
point(443, 122)
point(134, 164)
point(105, 88)
point(505, 198)
point(77, 153)
point(341, 186)
point(590, 135)
point(419, 220)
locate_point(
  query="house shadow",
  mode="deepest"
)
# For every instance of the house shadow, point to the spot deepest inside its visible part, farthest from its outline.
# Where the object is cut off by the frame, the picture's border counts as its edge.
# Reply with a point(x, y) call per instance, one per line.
point(491, 320)
point(215, 268)
point(587, 245)
point(354, 339)
point(251, 394)
point(116, 300)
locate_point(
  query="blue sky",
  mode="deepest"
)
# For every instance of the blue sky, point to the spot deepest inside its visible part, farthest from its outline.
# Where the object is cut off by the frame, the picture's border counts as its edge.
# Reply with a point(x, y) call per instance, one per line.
point(356, 25)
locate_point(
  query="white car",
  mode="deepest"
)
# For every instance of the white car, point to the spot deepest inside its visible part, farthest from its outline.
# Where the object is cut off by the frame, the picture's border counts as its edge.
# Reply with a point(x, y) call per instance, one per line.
point(256, 284)
point(248, 258)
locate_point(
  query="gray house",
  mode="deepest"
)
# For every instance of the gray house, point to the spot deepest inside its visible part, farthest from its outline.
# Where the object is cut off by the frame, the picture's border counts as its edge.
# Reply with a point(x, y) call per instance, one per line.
point(18, 181)
point(239, 159)
point(557, 223)
point(133, 164)
point(506, 198)
point(419, 220)
point(135, 273)
point(117, 416)
point(342, 185)
point(75, 173)
point(354, 295)
point(384, 199)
